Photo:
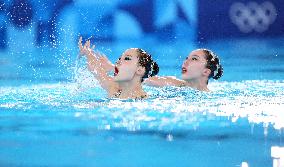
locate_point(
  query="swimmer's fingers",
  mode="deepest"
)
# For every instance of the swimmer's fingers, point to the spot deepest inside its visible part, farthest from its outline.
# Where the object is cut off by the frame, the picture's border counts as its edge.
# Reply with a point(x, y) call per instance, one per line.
point(80, 41)
point(87, 44)
point(80, 45)
point(87, 48)
point(83, 48)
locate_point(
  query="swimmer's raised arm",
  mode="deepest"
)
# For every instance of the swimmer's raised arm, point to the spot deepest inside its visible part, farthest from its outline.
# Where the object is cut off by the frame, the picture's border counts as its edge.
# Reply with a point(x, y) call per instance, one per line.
point(105, 62)
point(95, 66)
point(158, 81)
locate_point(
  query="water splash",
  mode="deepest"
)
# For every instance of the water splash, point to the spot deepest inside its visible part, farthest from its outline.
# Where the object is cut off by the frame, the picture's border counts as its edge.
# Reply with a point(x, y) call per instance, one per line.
point(258, 102)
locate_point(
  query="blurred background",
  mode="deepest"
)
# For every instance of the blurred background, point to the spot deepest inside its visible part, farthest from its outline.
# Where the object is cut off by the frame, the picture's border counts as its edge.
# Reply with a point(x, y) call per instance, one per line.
point(38, 38)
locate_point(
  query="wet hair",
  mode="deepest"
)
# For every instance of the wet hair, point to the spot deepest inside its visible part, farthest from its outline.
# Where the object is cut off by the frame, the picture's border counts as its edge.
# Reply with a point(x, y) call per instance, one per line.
point(213, 63)
point(145, 60)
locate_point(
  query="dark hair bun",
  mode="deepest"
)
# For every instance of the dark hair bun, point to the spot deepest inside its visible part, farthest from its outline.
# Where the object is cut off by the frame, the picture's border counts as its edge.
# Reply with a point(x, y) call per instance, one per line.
point(219, 73)
point(155, 69)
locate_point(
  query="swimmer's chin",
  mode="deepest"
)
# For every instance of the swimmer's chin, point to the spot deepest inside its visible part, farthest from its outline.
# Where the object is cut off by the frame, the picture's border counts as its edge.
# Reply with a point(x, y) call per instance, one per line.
point(184, 77)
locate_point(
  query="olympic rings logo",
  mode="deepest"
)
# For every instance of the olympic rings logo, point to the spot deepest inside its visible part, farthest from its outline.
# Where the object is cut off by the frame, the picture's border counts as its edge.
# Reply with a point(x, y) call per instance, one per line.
point(253, 16)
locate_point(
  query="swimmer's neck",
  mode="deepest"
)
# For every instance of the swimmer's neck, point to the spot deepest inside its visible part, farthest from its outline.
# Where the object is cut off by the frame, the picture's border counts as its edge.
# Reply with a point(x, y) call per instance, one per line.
point(131, 89)
point(199, 84)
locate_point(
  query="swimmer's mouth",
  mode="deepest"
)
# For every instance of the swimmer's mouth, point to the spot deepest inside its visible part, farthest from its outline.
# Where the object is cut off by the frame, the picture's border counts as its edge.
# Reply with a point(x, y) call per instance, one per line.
point(183, 70)
point(115, 71)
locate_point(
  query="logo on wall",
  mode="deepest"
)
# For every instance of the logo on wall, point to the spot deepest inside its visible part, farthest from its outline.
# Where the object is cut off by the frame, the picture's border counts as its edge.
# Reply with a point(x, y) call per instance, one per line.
point(253, 17)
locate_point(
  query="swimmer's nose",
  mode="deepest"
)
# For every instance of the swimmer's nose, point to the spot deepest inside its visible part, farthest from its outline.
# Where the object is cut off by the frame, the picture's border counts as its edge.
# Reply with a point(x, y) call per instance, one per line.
point(184, 64)
point(118, 62)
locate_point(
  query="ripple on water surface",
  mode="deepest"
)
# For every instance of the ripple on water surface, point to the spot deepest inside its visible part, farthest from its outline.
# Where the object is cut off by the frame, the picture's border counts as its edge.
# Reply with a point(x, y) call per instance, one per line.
point(167, 108)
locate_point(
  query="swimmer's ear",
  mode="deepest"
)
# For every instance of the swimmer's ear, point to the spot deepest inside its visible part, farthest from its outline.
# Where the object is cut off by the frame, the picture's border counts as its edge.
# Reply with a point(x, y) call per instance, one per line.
point(140, 71)
point(207, 72)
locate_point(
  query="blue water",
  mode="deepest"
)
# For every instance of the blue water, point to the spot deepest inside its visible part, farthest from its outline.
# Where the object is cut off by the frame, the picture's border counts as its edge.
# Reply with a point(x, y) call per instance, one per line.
point(53, 113)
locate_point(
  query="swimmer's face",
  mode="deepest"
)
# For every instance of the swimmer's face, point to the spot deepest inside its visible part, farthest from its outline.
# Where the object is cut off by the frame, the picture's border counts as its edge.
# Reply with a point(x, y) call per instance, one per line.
point(127, 66)
point(194, 67)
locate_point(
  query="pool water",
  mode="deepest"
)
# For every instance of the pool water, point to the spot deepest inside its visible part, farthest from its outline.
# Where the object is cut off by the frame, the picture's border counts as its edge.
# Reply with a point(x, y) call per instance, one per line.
point(53, 113)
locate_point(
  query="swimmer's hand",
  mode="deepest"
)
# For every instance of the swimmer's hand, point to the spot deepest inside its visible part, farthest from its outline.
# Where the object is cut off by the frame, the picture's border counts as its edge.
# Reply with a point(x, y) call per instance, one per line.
point(92, 59)
point(95, 58)
point(86, 48)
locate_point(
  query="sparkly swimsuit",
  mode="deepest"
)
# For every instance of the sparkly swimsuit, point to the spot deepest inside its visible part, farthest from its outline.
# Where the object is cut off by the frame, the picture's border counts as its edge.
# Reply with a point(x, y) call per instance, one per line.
point(118, 93)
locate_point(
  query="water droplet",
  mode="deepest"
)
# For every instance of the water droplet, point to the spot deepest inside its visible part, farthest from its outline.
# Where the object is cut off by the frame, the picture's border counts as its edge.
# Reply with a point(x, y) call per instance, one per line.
point(170, 137)
point(244, 164)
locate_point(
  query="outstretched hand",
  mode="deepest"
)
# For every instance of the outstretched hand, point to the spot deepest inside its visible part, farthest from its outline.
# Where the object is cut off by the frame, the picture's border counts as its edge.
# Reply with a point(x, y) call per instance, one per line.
point(95, 58)
point(86, 48)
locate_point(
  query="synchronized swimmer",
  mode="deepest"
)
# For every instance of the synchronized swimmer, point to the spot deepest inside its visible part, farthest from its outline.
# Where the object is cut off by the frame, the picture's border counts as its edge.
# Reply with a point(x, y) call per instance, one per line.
point(197, 69)
point(136, 66)
point(130, 70)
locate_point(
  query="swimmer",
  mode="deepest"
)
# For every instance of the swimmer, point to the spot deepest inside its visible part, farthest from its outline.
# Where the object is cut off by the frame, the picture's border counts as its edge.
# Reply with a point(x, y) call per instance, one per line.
point(130, 70)
point(197, 69)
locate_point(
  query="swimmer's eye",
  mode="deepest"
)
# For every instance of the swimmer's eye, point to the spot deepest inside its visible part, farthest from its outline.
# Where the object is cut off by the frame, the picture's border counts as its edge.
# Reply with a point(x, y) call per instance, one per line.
point(127, 58)
point(193, 58)
point(186, 58)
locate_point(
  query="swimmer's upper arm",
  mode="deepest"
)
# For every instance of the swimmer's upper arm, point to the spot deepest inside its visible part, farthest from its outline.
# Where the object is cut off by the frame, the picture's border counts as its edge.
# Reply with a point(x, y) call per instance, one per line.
point(163, 81)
